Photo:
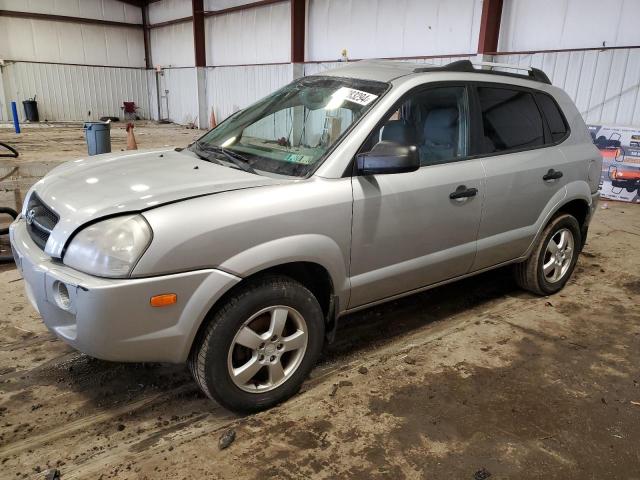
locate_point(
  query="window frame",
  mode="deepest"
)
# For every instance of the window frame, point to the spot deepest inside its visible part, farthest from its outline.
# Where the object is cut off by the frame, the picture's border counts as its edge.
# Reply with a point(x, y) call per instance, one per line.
point(351, 170)
point(477, 118)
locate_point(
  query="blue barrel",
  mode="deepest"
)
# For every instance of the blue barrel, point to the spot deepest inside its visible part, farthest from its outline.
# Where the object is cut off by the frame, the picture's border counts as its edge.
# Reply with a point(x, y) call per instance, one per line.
point(98, 135)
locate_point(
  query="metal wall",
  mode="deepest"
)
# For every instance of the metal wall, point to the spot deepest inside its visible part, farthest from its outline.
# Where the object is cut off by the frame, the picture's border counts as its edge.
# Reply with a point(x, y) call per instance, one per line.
point(399, 28)
point(559, 24)
point(251, 36)
point(75, 43)
point(74, 93)
point(232, 88)
point(113, 10)
point(172, 46)
point(178, 95)
point(166, 10)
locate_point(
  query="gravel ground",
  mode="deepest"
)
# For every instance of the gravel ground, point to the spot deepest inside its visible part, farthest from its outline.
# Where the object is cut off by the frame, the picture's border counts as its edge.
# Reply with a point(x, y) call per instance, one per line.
point(463, 381)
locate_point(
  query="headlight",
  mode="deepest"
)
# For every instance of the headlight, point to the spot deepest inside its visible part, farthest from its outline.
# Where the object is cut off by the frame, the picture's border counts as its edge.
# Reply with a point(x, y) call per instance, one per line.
point(110, 248)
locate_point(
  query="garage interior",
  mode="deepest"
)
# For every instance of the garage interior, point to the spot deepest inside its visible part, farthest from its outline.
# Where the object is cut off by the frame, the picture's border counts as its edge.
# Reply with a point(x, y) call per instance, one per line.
point(473, 380)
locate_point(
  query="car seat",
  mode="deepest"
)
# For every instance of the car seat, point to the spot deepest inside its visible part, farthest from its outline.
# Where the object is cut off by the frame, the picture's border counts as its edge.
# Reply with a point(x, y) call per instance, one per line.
point(440, 136)
point(398, 131)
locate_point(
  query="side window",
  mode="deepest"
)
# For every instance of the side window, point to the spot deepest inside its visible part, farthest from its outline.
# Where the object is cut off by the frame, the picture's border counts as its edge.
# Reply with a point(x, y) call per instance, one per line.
point(434, 120)
point(511, 120)
point(555, 119)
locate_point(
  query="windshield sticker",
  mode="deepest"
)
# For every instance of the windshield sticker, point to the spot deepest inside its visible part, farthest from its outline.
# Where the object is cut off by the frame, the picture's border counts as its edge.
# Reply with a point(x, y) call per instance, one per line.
point(356, 96)
point(297, 158)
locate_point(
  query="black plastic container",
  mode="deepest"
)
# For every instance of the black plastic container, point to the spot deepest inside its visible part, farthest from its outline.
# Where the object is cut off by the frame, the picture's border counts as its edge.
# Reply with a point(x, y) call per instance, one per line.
point(31, 110)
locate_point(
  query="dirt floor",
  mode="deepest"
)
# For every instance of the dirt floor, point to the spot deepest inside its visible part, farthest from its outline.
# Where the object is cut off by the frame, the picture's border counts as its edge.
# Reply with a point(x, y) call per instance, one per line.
point(465, 381)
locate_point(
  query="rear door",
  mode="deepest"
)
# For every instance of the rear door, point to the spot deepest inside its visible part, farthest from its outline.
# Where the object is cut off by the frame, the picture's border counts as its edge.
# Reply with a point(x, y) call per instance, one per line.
point(523, 166)
point(407, 232)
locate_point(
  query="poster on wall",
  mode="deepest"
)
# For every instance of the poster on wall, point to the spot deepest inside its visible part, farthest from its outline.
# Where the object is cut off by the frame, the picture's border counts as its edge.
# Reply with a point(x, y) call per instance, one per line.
point(620, 149)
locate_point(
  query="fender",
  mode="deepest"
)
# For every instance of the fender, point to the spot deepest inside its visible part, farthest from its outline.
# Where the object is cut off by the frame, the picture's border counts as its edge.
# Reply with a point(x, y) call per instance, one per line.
point(313, 248)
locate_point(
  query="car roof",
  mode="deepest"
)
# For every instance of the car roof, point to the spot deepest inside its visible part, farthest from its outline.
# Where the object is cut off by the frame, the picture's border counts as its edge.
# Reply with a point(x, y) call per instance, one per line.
point(376, 70)
point(389, 70)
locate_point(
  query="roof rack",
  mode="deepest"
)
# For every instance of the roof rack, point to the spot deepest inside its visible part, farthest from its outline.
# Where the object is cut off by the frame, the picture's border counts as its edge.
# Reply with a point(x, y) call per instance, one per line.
point(467, 66)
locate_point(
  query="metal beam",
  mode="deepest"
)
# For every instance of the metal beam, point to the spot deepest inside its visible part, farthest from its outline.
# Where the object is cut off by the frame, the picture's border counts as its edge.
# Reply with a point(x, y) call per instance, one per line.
point(175, 21)
point(147, 37)
point(238, 8)
point(298, 24)
point(490, 26)
point(63, 18)
point(198, 33)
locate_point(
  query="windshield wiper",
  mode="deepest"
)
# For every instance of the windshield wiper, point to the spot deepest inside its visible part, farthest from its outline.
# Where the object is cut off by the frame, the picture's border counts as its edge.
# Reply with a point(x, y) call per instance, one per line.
point(235, 158)
point(203, 157)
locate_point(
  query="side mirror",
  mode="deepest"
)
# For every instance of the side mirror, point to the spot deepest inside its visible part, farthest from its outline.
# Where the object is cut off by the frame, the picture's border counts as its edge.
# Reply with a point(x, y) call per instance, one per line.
point(388, 157)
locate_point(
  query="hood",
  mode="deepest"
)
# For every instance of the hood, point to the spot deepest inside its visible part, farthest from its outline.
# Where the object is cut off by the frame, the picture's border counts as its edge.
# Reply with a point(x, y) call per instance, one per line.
point(89, 188)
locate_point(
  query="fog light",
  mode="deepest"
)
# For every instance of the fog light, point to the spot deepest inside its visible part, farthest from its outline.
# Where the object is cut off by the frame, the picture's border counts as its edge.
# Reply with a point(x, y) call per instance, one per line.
point(61, 295)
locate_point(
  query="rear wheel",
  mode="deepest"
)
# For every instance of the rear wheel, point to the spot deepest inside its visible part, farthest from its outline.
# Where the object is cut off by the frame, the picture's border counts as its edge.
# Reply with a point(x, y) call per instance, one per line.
point(260, 345)
point(553, 259)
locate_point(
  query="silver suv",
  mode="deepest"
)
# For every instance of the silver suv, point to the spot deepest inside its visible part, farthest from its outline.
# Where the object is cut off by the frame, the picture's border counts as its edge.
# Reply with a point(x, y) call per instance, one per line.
point(340, 191)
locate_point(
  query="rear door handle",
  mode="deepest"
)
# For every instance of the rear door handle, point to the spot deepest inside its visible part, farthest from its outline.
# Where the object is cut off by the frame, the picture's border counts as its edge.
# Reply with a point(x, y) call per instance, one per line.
point(463, 192)
point(552, 175)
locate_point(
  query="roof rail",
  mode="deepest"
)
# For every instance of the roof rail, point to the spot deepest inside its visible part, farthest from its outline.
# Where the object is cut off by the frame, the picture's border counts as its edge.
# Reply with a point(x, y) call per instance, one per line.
point(467, 66)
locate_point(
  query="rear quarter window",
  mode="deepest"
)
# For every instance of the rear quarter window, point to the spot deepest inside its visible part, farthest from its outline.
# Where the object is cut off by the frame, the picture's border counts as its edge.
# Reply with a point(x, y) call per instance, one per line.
point(555, 119)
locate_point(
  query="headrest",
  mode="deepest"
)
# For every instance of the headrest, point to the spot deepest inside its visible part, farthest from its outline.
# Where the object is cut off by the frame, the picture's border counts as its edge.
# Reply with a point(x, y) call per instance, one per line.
point(441, 125)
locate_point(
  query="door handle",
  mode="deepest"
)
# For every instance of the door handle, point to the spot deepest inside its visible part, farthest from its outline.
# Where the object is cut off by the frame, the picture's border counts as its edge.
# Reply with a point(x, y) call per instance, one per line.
point(463, 192)
point(552, 175)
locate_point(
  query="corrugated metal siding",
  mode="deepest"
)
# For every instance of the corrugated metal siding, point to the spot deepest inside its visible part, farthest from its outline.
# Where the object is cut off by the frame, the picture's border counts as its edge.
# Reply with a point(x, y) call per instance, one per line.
point(182, 95)
point(113, 10)
point(172, 46)
point(605, 85)
point(251, 36)
point(75, 93)
point(165, 10)
point(63, 42)
point(399, 28)
point(232, 88)
point(559, 24)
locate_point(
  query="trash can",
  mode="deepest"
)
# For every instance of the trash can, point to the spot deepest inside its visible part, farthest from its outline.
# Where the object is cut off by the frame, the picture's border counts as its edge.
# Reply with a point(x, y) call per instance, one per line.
point(98, 135)
point(31, 110)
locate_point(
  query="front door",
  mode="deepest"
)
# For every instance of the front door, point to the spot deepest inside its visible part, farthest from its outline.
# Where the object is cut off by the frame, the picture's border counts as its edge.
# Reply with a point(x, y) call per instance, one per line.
point(407, 230)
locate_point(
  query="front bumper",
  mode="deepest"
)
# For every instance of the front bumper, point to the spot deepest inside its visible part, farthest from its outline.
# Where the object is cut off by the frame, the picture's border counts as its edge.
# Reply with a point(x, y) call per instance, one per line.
point(112, 319)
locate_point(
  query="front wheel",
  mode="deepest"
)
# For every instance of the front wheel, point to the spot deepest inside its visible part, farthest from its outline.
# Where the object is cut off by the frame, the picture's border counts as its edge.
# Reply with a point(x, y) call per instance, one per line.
point(553, 259)
point(260, 345)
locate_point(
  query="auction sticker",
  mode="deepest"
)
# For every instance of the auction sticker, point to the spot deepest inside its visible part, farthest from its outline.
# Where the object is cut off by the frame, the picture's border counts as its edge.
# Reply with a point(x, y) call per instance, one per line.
point(356, 96)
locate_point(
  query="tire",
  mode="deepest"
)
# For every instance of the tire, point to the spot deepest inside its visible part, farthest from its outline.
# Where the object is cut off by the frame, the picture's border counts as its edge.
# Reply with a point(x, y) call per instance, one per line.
point(530, 274)
point(221, 348)
point(11, 213)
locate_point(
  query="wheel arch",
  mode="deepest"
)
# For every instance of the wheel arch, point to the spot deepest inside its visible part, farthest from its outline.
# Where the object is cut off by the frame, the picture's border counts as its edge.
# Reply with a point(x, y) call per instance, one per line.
point(576, 200)
point(312, 275)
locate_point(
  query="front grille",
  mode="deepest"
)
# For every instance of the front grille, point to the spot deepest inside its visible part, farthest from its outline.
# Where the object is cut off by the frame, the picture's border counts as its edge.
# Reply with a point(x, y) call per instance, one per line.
point(40, 220)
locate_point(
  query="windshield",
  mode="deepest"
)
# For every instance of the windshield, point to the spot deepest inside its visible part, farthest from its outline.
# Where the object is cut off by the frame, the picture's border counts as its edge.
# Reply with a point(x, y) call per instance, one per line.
point(289, 131)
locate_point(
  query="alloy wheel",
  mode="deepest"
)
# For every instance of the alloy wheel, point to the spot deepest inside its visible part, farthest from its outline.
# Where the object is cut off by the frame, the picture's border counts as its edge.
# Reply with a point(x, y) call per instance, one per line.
point(267, 349)
point(558, 255)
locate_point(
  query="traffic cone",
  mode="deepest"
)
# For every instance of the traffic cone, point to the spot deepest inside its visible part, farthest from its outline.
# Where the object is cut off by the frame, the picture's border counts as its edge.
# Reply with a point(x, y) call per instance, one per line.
point(212, 119)
point(131, 139)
